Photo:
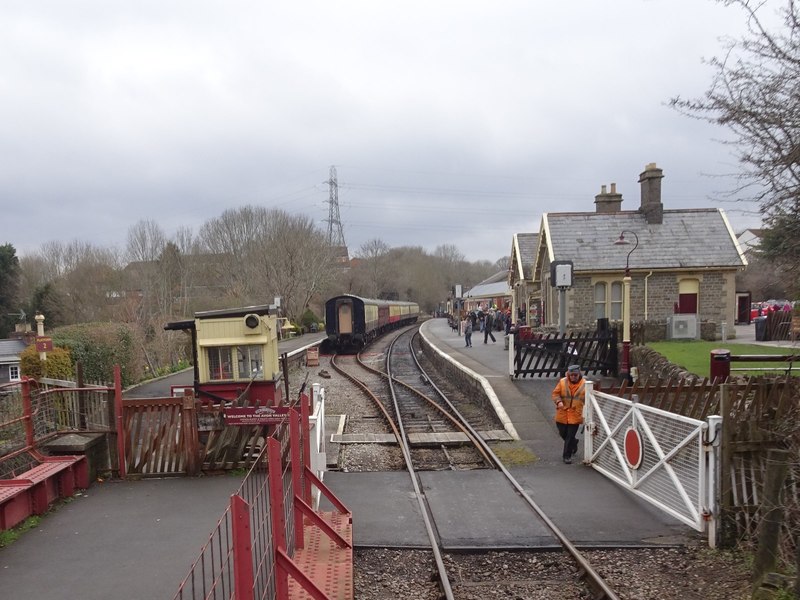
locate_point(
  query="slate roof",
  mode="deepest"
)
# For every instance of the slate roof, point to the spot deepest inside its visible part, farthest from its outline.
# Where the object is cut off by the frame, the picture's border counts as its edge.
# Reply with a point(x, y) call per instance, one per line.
point(525, 244)
point(10, 350)
point(496, 285)
point(690, 238)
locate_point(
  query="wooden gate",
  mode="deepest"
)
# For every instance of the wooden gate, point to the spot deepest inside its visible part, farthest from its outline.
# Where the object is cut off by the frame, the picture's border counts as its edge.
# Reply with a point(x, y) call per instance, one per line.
point(551, 353)
point(177, 436)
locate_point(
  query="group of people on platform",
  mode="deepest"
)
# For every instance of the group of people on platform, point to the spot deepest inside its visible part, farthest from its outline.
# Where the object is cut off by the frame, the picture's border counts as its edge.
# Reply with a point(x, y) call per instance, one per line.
point(487, 322)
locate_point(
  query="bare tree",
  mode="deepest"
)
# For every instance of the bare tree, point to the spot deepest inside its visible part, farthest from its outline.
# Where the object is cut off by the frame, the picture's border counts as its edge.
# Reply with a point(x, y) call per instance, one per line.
point(79, 275)
point(300, 262)
point(146, 241)
point(232, 238)
point(190, 267)
point(374, 271)
point(753, 94)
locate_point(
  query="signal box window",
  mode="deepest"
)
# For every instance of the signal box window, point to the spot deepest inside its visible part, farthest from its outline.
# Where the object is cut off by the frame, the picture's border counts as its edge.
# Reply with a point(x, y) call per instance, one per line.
point(13, 372)
point(249, 362)
point(219, 363)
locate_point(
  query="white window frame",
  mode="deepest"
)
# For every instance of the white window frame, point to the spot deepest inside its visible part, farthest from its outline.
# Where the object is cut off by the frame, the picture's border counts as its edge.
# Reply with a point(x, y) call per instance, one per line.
point(11, 373)
point(611, 303)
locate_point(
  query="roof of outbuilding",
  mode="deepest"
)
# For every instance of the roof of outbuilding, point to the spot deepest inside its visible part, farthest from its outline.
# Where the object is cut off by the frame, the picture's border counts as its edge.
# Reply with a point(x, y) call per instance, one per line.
point(693, 238)
point(10, 350)
point(489, 290)
point(496, 285)
point(526, 244)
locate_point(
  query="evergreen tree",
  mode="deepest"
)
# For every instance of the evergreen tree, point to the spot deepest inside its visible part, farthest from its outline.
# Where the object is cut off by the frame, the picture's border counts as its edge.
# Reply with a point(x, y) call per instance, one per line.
point(9, 288)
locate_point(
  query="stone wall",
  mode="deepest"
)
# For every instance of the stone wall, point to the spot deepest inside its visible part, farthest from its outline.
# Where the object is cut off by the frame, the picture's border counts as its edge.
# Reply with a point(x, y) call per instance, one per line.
point(652, 364)
point(458, 376)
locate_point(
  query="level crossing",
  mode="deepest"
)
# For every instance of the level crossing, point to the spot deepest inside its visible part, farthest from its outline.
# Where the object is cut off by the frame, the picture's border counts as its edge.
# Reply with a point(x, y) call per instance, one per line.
point(135, 538)
point(590, 509)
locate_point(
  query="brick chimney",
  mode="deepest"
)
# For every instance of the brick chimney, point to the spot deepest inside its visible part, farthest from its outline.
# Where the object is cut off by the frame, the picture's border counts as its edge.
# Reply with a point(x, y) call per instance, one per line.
point(608, 202)
point(22, 331)
point(651, 207)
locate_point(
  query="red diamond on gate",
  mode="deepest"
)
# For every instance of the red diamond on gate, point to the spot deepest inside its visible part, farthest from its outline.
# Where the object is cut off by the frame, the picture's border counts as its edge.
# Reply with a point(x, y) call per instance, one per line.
point(634, 448)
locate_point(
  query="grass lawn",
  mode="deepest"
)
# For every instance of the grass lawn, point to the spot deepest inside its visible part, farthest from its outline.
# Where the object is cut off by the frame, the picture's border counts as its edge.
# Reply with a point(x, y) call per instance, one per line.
point(695, 356)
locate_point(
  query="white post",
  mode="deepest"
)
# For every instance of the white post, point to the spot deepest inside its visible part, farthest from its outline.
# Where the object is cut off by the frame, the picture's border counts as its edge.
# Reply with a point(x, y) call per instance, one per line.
point(626, 325)
point(511, 353)
point(712, 458)
point(39, 318)
point(587, 421)
point(315, 391)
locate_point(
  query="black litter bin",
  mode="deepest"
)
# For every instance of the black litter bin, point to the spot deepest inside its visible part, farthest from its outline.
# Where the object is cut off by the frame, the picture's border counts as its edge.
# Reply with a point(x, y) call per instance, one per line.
point(761, 329)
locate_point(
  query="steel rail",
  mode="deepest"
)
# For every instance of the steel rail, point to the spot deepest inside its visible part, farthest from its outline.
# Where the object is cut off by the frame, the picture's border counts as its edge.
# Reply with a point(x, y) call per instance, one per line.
point(593, 579)
point(457, 422)
point(373, 397)
point(444, 580)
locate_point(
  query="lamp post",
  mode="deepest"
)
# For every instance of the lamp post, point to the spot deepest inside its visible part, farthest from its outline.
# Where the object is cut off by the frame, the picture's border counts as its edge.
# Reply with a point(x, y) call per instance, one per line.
point(626, 304)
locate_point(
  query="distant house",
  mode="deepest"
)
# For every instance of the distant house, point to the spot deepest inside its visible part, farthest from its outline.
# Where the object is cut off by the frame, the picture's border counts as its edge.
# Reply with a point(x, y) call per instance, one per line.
point(493, 291)
point(9, 359)
point(525, 289)
point(749, 239)
point(683, 269)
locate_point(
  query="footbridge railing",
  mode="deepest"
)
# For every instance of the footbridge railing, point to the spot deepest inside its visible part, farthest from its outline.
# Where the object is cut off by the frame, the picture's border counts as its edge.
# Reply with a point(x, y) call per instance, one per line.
point(253, 550)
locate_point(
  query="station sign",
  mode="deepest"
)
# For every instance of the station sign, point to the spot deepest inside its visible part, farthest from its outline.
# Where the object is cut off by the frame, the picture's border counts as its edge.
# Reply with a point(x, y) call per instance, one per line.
point(255, 415)
point(44, 344)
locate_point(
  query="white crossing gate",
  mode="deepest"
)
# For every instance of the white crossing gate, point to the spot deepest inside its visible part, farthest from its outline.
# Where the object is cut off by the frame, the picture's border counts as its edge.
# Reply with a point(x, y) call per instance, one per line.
point(662, 457)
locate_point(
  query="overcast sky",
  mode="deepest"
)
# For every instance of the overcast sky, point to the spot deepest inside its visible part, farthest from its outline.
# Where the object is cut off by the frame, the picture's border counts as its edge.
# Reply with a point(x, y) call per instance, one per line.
point(448, 122)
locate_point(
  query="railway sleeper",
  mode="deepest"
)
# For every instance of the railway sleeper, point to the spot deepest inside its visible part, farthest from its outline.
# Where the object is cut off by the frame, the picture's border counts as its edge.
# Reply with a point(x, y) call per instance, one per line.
point(419, 439)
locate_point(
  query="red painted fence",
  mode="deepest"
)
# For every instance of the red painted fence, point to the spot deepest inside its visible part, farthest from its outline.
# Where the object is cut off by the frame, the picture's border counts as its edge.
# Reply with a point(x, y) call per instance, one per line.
point(259, 546)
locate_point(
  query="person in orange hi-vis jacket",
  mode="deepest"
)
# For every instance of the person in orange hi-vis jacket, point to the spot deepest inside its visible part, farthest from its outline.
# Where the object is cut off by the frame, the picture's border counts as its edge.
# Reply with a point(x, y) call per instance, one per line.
point(568, 396)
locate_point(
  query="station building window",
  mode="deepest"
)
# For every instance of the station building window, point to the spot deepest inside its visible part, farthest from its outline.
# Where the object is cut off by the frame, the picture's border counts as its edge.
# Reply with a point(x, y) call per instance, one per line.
point(608, 300)
point(13, 372)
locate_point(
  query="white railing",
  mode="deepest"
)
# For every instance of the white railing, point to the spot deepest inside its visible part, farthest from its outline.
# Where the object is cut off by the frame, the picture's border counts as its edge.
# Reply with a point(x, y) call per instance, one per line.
point(662, 457)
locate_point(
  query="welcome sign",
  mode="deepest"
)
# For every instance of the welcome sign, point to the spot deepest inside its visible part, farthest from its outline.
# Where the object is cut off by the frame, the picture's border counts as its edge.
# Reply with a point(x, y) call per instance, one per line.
point(255, 415)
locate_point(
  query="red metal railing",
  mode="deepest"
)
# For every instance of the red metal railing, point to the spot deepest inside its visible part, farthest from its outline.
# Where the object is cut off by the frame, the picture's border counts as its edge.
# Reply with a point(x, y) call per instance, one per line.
point(248, 555)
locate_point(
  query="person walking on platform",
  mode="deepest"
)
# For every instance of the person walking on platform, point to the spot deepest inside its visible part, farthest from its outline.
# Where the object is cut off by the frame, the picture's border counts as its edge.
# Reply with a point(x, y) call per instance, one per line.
point(487, 329)
point(569, 397)
point(467, 325)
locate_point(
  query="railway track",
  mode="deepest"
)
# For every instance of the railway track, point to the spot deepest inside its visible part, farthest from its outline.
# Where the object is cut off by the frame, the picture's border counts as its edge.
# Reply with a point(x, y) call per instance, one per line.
point(413, 411)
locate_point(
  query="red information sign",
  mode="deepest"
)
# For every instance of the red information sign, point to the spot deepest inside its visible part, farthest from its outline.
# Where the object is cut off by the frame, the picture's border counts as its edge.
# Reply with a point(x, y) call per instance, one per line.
point(255, 415)
point(44, 344)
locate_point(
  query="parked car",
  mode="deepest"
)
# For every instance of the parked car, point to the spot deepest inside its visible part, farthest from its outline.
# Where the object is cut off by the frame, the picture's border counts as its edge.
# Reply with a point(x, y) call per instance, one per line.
point(756, 310)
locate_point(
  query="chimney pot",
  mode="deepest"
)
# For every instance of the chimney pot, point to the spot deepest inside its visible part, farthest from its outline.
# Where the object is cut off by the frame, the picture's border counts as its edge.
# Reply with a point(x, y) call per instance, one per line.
point(608, 202)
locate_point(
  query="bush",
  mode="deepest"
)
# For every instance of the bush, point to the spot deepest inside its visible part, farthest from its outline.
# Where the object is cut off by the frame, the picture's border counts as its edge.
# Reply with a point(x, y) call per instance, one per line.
point(100, 346)
point(307, 319)
point(57, 366)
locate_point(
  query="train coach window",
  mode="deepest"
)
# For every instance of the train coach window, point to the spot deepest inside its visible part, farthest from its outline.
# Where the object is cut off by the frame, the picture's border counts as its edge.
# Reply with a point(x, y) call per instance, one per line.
point(219, 363)
point(249, 362)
